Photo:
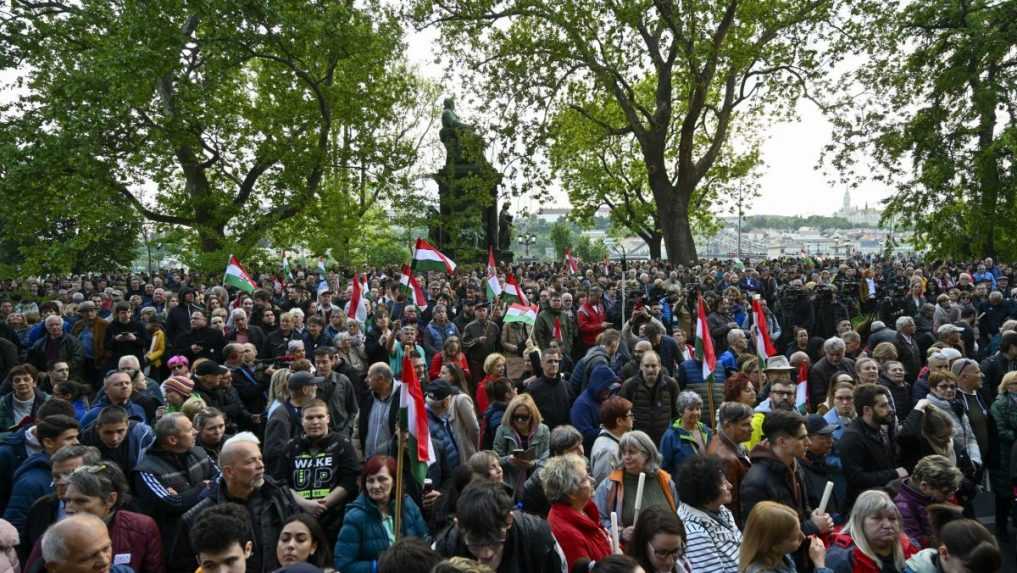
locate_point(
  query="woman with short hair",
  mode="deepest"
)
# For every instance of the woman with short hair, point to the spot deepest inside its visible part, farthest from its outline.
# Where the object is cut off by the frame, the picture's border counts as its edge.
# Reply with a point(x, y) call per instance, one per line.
point(574, 519)
point(934, 480)
point(872, 539)
point(617, 492)
point(713, 537)
point(687, 436)
point(615, 420)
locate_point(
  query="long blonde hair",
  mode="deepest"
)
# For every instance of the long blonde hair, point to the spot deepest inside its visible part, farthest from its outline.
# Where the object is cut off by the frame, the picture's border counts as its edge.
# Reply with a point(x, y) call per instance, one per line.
point(769, 525)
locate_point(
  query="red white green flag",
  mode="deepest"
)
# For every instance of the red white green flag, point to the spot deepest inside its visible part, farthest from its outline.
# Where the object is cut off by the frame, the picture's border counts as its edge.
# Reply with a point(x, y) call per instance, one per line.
point(427, 258)
point(237, 277)
point(413, 420)
point(513, 292)
point(704, 343)
point(520, 313)
point(411, 286)
point(764, 346)
point(356, 308)
point(571, 264)
point(493, 284)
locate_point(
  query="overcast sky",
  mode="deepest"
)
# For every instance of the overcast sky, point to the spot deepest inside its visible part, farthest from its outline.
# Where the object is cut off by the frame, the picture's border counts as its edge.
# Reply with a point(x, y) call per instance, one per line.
point(790, 185)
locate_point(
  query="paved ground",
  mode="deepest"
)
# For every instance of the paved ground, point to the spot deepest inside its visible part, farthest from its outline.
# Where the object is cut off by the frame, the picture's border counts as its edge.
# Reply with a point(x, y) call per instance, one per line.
point(984, 510)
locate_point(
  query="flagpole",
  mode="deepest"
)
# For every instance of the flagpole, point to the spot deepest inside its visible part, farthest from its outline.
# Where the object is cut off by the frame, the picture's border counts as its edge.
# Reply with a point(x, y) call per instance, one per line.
point(400, 485)
point(709, 400)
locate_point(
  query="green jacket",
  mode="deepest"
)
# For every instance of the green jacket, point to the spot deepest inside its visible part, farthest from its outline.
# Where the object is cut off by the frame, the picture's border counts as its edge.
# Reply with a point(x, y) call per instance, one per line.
point(543, 330)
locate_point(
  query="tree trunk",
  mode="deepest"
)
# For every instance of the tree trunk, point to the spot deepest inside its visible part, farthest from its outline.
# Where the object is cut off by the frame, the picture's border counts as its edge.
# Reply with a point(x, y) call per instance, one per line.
point(654, 242)
point(673, 218)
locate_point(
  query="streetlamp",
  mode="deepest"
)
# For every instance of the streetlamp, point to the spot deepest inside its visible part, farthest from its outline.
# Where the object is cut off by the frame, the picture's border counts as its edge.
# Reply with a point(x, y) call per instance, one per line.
point(527, 239)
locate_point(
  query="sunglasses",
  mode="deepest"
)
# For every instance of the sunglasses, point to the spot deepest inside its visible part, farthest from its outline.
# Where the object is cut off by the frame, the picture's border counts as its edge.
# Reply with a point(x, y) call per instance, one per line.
point(520, 418)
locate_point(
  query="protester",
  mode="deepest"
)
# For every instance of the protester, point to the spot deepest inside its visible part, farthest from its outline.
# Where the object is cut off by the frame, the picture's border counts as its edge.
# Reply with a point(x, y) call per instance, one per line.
point(223, 540)
point(654, 397)
point(615, 421)
point(368, 525)
point(713, 537)
point(658, 542)
point(574, 519)
point(965, 545)
point(872, 539)
point(735, 422)
point(688, 435)
point(935, 479)
point(521, 440)
point(303, 541)
point(80, 544)
point(771, 534)
point(617, 493)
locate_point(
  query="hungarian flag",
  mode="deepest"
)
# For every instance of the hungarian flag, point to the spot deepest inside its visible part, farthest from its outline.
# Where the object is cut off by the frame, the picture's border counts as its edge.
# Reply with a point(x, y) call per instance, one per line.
point(521, 313)
point(571, 264)
point(411, 287)
point(493, 285)
point(356, 308)
point(802, 390)
point(237, 277)
point(287, 274)
point(764, 346)
point(413, 421)
point(704, 343)
point(428, 258)
point(513, 292)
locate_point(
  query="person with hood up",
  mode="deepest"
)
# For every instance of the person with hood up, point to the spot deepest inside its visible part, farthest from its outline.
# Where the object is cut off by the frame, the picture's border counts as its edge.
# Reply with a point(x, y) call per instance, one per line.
point(119, 438)
point(603, 353)
point(585, 412)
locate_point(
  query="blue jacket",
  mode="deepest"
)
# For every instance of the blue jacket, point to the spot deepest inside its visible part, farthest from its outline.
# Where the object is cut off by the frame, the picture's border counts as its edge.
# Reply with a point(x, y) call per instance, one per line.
point(33, 480)
point(677, 446)
point(362, 538)
point(584, 368)
point(443, 434)
point(134, 411)
point(13, 453)
point(691, 372)
point(585, 412)
point(670, 355)
point(139, 438)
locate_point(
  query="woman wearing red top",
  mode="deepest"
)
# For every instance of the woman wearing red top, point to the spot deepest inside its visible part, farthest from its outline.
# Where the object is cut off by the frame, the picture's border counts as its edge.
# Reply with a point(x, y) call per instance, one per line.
point(494, 368)
point(451, 353)
point(574, 519)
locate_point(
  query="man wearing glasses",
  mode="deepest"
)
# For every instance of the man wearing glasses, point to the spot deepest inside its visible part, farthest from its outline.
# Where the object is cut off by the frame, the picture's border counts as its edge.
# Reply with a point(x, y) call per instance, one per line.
point(490, 531)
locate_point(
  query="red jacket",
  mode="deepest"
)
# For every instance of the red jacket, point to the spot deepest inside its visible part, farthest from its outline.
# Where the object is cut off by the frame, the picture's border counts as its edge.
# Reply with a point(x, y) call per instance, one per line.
point(439, 359)
point(579, 534)
point(591, 318)
point(135, 539)
point(844, 555)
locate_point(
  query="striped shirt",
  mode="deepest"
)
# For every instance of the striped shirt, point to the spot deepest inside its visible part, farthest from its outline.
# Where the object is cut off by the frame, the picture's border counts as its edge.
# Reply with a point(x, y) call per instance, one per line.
point(713, 542)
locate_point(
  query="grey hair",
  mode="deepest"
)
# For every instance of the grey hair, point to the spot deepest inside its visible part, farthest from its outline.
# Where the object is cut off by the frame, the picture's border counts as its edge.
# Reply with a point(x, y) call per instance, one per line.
point(564, 438)
point(380, 369)
point(88, 454)
point(54, 541)
point(342, 336)
point(868, 504)
point(903, 321)
point(560, 477)
point(641, 441)
point(833, 344)
point(688, 399)
point(852, 336)
point(233, 443)
point(731, 412)
point(733, 335)
point(166, 427)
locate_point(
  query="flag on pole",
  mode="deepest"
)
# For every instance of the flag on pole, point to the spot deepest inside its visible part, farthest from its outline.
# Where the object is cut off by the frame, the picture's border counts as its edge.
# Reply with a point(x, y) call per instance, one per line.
point(704, 343)
point(493, 285)
point(411, 286)
point(321, 267)
point(571, 264)
point(237, 277)
point(356, 308)
point(764, 346)
point(521, 313)
point(428, 258)
point(802, 390)
point(413, 420)
point(287, 274)
point(513, 292)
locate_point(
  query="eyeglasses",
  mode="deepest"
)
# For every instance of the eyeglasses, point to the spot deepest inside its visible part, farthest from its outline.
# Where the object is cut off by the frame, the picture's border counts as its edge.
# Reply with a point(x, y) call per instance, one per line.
point(476, 546)
point(520, 418)
point(668, 553)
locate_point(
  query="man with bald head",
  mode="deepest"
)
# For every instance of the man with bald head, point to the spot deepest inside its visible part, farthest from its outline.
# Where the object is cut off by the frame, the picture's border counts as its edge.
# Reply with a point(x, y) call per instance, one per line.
point(243, 481)
point(79, 544)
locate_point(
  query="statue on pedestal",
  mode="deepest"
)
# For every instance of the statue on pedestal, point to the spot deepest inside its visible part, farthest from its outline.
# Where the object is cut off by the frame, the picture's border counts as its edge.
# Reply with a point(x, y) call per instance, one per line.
point(467, 191)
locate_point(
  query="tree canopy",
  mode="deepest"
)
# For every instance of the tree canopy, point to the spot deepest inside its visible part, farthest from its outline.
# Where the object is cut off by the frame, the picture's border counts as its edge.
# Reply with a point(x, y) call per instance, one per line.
point(931, 110)
point(220, 118)
point(703, 65)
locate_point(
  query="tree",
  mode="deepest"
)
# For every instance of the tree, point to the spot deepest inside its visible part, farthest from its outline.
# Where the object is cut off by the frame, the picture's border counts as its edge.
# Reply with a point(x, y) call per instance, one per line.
point(562, 237)
point(219, 118)
point(702, 64)
point(935, 119)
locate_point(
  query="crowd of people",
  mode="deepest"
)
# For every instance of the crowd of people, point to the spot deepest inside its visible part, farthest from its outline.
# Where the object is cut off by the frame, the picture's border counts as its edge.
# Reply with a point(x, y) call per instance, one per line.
point(163, 423)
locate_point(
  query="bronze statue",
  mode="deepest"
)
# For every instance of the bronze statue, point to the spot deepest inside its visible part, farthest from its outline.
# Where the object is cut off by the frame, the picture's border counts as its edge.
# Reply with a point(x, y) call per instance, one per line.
point(505, 229)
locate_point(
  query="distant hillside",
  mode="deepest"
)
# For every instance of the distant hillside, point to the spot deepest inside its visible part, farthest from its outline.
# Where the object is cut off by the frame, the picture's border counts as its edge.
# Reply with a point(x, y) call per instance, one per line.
point(792, 223)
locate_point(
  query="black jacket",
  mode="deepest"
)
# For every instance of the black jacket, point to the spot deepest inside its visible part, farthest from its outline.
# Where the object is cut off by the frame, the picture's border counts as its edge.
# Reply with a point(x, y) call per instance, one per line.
point(363, 422)
point(210, 340)
point(993, 370)
point(269, 507)
point(228, 401)
point(70, 351)
point(654, 407)
point(868, 461)
point(256, 336)
point(552, 398)
point(186, 475)
point(117, 348)
point(277, 343)
point(769, 479)
point(315, 468)
point(529, 548)
point(909, 355)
